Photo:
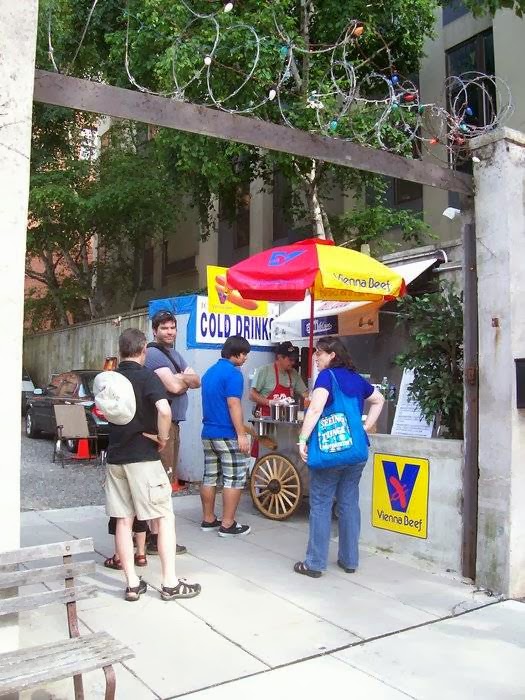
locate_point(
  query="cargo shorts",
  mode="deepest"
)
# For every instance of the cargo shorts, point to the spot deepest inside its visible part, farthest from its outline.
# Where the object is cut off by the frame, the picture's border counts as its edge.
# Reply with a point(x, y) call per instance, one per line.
point(141, 488)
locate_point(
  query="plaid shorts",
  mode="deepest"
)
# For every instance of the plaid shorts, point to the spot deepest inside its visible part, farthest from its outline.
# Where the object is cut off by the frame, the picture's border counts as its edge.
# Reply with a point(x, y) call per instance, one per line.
point(223, 462)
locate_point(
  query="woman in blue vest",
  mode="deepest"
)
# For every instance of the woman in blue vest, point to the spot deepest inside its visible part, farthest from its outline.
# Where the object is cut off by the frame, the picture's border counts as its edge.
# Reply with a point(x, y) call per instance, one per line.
point(339, 483)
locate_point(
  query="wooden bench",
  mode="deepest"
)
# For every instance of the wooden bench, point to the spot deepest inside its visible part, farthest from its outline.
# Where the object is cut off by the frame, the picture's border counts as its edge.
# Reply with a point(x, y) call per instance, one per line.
point(34, 666)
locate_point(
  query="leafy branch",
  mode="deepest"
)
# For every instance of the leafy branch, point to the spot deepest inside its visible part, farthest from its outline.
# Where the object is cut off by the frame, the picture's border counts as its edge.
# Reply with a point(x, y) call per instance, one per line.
point(436, 355)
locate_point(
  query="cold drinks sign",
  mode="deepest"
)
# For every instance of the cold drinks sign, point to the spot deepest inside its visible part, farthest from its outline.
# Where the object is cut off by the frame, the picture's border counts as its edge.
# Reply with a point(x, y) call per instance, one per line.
point(213, 328)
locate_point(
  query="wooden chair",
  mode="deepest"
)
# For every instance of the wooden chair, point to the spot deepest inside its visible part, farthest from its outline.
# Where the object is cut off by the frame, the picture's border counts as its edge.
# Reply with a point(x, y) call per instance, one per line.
point(72, 424)
point(35, 666)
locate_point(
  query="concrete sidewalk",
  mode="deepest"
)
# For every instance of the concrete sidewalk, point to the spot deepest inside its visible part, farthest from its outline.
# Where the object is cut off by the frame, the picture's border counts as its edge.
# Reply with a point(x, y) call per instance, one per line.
point(388, 631)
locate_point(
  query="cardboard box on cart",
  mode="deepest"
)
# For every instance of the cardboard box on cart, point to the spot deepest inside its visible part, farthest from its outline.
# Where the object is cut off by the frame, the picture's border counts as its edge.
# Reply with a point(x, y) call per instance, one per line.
point(200, 336)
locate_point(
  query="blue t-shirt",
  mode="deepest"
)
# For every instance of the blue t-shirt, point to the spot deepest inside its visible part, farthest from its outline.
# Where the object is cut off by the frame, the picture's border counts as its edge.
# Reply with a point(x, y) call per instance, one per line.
point(350, 382)
point(222, 381)
point(155, 359)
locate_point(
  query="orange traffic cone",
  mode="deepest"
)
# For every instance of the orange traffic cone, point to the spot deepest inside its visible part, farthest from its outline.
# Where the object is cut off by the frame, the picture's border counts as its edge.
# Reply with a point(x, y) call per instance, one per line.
point(177, 486)
point(83, 450)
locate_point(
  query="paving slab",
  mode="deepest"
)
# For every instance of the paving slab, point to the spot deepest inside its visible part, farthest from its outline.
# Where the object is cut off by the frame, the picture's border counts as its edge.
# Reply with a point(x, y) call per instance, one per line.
point(49, 624)
point(480, 654)
point(255, 615)
point(176, 652)
point(316, 679)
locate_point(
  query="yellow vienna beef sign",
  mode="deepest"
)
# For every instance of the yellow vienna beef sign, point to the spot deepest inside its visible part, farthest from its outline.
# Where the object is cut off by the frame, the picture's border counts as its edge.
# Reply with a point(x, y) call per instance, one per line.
point(400, 494)
point(223, 300)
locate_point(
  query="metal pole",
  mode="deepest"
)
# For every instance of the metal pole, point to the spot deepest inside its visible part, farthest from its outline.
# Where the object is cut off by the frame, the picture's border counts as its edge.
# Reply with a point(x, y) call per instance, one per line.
point(470, 382)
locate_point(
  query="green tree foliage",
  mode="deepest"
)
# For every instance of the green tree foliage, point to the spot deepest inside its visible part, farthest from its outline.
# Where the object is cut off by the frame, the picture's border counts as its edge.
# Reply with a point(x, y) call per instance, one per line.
point(435, 353)
point(159, 38)
point(90, 215)
point(483, 7)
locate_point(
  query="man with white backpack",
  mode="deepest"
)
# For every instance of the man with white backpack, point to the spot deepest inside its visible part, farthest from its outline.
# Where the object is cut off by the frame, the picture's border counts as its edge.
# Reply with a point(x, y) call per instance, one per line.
point(135, 403)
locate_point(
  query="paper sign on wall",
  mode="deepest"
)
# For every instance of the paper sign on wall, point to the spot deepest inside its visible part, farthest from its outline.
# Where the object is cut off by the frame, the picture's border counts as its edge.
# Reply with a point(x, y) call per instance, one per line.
point(409, 419)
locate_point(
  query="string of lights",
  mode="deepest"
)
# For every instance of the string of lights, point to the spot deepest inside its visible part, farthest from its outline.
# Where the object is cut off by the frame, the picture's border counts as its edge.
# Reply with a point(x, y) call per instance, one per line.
point(217, 61)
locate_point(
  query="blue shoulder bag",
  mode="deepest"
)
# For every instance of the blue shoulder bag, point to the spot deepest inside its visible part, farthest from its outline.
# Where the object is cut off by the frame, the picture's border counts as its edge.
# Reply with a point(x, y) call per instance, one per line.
point(338, 438)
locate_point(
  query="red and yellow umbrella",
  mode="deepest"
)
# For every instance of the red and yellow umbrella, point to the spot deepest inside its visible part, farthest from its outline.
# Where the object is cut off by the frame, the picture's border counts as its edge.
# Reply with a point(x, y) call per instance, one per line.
point(327, 271)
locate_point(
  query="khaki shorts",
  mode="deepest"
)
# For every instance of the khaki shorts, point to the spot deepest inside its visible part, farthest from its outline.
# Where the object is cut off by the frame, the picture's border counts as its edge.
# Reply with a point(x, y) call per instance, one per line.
point(140, 489)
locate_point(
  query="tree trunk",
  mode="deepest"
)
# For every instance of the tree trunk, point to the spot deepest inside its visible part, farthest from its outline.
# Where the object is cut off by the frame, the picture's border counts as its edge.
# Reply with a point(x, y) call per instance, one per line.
point(53, 288)
point(317, 213)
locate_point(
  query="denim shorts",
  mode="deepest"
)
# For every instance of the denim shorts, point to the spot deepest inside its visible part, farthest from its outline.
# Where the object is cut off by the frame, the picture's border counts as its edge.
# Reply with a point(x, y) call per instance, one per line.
point(224, 463)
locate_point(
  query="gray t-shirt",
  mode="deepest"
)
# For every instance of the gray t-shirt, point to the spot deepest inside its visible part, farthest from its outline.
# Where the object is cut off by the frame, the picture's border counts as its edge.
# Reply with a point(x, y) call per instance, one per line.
point(155, 359)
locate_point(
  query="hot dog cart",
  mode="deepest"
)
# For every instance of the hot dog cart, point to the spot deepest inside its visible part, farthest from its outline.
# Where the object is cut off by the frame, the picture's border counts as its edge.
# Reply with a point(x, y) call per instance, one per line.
point(279, 477)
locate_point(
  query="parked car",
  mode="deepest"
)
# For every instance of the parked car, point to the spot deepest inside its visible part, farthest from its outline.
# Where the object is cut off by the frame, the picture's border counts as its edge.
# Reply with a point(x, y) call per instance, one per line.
point(75, 386)
point(27, 390)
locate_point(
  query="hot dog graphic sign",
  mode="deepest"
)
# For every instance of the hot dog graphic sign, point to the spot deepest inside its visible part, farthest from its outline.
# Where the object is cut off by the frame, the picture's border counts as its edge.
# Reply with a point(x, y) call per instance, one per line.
point(223, 300)
point(400, 494)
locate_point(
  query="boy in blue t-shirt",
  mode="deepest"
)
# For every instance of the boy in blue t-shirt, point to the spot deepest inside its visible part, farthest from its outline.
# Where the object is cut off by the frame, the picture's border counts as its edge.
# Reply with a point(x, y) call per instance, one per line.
point(226, 445)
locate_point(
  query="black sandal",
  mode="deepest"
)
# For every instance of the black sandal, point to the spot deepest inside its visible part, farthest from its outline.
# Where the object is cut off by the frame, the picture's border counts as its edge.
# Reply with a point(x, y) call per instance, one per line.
point(301, 568)
point(133, 593)
point(181, 590)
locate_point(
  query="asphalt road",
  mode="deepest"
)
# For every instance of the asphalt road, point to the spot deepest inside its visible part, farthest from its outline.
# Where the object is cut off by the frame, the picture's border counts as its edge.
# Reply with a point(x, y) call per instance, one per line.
point(44, 485)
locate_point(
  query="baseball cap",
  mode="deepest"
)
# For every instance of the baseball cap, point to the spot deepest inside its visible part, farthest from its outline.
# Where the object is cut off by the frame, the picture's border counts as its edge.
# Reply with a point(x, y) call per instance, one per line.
point(286, 349)
point(114, 396)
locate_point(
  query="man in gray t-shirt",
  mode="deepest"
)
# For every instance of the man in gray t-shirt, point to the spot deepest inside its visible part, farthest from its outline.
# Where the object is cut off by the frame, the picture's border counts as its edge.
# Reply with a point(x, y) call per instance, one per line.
point(177, 377)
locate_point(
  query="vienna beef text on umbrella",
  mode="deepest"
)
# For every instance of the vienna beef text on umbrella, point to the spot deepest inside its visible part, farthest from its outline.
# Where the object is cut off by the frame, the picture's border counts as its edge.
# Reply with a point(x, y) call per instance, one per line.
point(328, 272)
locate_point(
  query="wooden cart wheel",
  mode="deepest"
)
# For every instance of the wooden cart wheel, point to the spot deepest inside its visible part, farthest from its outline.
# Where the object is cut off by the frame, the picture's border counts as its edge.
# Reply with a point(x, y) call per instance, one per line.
point(275, 486)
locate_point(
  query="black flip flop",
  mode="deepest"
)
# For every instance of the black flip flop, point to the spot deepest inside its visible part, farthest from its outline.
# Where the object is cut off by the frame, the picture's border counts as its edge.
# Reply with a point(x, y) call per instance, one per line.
point(301, 568)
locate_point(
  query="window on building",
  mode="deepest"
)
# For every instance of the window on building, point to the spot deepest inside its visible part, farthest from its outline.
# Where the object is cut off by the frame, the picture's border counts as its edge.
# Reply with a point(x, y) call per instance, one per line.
point(175, 267)
point(234, 219)
point(474, 55)
point(452, 10)
point(405, 191)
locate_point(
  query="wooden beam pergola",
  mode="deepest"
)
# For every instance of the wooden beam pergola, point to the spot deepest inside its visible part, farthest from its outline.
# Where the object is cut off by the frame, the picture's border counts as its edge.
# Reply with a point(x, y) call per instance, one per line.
point(87, 96)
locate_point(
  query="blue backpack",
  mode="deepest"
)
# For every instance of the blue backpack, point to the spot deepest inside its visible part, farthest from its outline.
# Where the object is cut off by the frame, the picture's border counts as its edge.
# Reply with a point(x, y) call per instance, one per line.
point(338, 439)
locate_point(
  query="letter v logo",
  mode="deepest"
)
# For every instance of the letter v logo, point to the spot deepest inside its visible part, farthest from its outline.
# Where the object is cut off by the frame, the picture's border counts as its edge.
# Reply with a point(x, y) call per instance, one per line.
point(280, 257)
point(400, 488)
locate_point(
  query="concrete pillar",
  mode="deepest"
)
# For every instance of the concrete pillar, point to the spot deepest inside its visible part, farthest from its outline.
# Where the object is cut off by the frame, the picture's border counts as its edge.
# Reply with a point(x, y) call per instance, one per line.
point(261, 217)
point(18, 22)
point(500, 226)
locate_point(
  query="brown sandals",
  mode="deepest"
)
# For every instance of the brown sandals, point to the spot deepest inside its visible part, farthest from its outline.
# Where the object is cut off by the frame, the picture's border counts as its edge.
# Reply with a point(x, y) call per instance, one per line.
point(115, 563)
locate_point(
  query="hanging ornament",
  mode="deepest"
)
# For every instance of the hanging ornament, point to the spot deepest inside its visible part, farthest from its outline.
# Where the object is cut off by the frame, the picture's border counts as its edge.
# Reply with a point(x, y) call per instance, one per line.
point(421, 109)
point(334, 124)
point(272, 94)
point(433, 141)
point(207, 61)
point(358, 30)
point(408, 97)
point(464, 128)
point(395, 106)
point(283, 51)
point(394, 79)
point(469, 112)
point(228, 7)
